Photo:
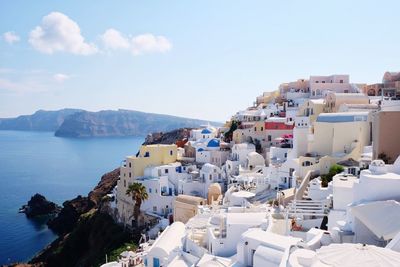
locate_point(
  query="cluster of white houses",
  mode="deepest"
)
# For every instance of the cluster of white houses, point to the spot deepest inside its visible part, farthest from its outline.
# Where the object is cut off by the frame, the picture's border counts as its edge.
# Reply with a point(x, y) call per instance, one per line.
point(252, 193)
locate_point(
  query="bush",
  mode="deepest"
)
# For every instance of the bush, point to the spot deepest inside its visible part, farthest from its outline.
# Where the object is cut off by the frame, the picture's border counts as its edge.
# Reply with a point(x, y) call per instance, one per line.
point(333, 170)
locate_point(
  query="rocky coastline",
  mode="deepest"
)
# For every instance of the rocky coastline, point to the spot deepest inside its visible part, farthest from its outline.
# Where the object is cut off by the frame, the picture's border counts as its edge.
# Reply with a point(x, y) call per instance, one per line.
point(87, 233)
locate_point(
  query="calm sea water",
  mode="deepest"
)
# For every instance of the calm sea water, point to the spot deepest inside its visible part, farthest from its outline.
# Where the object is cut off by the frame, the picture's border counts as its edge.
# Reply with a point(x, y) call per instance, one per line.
point(58, 168)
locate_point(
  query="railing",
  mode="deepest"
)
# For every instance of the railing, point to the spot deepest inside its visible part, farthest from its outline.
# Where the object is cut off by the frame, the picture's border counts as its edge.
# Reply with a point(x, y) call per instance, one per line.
point(308, 208)
point(304, 184)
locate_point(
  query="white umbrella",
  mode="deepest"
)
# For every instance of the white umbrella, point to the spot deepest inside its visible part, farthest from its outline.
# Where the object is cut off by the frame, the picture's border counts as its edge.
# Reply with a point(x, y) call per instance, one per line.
point(346, 255)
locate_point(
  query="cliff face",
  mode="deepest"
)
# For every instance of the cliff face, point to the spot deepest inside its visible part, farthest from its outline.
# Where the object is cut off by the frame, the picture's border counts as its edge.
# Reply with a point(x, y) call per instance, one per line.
point(121, 123)
point(39, 121)
point(73, 209)
point(171, 137)
point(86, 234)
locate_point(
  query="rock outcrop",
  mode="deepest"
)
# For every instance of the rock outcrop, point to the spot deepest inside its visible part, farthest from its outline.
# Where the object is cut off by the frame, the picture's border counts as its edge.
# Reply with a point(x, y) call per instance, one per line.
point(38, 205)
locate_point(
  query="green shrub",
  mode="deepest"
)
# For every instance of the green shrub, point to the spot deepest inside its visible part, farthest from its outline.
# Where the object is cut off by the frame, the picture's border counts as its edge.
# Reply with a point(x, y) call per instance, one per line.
point(333, 170)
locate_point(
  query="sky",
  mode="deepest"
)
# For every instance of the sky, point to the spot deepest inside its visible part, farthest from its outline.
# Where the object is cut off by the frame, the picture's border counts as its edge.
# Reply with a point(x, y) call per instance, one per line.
point(198, 59)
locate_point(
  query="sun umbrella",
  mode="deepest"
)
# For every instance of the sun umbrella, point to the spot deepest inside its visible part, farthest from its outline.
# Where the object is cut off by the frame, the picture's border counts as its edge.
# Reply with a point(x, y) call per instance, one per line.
point(346, 255)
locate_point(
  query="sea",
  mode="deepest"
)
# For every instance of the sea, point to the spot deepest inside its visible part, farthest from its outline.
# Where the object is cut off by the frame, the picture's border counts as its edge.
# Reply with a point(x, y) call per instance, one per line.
point(58, 168)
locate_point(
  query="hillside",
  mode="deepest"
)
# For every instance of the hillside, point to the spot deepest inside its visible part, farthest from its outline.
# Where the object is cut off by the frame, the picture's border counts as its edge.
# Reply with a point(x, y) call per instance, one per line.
point(121, 123)
point(41, 120)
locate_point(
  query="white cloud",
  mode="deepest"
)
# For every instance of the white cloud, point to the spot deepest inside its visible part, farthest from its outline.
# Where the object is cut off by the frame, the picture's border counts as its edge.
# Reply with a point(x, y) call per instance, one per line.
point(138, 45)
point(11, 37)
point(58, 33)
point(148, 43)
point(113, 39)
point(60, 77)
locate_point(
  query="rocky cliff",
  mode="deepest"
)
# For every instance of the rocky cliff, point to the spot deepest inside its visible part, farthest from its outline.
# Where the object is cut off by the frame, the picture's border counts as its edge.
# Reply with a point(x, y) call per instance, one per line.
point(121, 123)
point(171, 137)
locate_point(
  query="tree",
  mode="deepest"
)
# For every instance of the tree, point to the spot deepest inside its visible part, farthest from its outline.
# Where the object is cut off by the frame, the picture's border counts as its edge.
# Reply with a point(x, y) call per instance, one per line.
point(139, 194)
point(229, 134)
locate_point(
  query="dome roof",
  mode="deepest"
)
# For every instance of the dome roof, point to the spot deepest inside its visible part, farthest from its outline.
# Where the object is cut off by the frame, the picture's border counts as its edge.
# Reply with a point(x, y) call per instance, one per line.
point(213, 143)
point(206, 131)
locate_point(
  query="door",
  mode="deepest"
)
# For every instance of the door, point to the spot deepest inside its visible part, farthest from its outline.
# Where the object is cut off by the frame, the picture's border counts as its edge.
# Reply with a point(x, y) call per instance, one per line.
point(156, 262)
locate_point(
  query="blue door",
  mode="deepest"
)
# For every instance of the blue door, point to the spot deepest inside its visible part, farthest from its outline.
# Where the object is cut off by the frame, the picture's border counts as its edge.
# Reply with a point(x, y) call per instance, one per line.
point(156, 262)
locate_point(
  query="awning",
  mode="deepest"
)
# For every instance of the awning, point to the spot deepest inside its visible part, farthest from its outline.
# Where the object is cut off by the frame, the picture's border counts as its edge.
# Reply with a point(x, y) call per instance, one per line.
point(381, 217)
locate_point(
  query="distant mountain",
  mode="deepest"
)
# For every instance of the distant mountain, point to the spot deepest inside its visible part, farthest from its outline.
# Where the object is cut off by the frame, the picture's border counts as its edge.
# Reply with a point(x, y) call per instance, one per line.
point(122, 123)
point(41, 120)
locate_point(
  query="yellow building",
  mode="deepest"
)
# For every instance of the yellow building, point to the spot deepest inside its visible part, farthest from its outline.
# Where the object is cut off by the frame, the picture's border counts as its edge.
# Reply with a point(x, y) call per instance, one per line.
point(133, 167)
point(257, 131)
point(148, 155)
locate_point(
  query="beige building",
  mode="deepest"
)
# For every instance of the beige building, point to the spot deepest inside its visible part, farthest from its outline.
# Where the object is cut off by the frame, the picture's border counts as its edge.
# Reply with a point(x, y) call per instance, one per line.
point(340, 134)
point(185, 207)
point(386, 134)
point(333, 101)
point(312, 108)
point(301, 85)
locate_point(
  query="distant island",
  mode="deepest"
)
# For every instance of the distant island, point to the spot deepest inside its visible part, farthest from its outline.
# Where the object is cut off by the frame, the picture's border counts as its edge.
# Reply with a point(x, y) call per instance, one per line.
point(79, 123)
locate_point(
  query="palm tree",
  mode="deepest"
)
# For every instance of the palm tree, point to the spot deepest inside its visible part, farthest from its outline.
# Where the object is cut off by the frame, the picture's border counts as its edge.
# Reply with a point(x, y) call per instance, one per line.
point(138, 193)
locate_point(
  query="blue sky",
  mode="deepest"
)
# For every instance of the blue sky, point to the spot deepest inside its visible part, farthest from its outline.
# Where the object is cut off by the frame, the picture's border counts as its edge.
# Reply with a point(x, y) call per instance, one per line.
point(200, 59)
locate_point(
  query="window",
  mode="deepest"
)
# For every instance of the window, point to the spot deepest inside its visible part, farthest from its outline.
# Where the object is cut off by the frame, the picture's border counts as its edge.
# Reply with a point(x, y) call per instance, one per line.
point(124, 183)
point(269, 138)
point(171, 152)
point(262, 129)
point(154, 208)
point(130, 174)
point(210, 177)
point(166, 170)
point(341, 81)
point(255, 129)
point(130, 165)
point(285, 155)
point(323, 81)
point(147, 154)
